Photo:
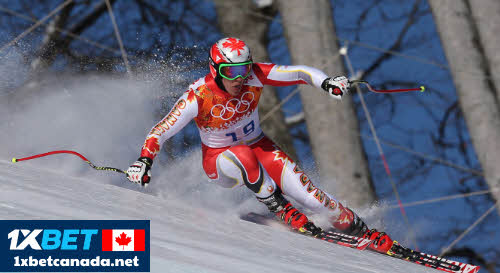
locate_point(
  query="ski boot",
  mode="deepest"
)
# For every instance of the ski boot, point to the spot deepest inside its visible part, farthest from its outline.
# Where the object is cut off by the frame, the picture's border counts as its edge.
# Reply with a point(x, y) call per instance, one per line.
point(350, 223)
point(381, 241)
point(288, 214)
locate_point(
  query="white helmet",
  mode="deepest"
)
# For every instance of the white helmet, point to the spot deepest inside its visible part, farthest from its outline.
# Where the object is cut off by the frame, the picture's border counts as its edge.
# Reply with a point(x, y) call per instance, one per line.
point(228, 50)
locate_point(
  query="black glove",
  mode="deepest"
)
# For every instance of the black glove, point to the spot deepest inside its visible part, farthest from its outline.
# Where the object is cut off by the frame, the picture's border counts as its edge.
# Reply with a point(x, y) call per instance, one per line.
point(140, 171)
point(336, 87)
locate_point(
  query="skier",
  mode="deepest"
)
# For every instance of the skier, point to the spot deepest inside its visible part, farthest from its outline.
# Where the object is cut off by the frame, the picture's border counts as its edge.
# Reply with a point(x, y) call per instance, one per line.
point(236, 152)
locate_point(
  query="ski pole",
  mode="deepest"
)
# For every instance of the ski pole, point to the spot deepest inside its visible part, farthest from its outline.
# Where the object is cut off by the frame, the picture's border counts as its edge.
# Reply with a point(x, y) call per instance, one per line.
point(421, 89)
point(14, 160)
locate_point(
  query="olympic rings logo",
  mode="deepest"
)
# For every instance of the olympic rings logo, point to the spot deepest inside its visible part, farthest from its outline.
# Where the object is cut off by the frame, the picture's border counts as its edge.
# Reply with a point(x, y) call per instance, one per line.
point(242, 105)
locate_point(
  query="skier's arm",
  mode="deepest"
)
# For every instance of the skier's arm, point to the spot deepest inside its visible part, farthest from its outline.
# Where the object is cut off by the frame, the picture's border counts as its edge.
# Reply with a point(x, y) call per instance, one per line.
point(184, 110)
point(285, 75)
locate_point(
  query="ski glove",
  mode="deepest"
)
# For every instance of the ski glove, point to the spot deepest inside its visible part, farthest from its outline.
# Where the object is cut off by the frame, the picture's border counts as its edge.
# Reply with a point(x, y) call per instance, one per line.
point(140, 171)
point(336, 87)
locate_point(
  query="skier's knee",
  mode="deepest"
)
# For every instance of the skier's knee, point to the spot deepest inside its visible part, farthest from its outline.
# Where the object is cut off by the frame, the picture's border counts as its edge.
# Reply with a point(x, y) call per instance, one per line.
point(246, 160)
point(241, 164)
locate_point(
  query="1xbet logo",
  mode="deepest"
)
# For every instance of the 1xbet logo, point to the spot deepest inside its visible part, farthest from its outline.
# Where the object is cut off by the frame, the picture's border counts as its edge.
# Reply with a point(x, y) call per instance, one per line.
point(67, 239)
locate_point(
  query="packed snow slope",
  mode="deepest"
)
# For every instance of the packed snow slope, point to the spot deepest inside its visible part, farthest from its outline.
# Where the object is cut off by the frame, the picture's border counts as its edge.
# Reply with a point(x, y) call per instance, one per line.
point(184, 237)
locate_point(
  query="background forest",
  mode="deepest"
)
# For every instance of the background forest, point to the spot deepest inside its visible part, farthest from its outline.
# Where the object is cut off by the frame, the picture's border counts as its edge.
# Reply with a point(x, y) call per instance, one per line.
point(94, 76)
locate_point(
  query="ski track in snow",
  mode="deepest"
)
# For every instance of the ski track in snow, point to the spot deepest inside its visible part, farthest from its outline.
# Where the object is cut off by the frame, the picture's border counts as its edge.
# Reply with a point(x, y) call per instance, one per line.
point(184, 237)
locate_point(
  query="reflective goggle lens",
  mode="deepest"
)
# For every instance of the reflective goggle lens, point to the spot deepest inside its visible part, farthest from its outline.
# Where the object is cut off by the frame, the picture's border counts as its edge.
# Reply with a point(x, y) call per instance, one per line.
point(233, 71)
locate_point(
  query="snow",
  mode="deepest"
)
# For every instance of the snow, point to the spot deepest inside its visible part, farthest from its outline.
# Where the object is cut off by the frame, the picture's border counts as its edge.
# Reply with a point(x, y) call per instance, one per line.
point(185, 236)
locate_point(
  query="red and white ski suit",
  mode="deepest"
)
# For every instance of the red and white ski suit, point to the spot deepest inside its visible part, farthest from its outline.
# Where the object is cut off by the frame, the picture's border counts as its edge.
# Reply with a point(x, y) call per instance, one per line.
point(235, 150)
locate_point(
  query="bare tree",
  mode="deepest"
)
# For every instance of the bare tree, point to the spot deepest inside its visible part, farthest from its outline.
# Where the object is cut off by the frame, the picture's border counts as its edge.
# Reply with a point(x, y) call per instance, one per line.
point(58, 35)
point(459, 37)
point(50, 46)
point(332, 125)
point(241, 19)
point(485, 14)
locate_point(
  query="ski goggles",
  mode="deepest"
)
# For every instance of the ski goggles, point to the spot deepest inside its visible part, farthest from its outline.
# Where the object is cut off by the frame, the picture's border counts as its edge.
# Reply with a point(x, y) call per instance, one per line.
point(233, 71)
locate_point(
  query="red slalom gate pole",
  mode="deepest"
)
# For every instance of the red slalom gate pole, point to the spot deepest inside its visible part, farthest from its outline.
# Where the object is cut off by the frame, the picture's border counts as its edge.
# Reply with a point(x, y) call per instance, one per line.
point(99, 168)
point(421, 88)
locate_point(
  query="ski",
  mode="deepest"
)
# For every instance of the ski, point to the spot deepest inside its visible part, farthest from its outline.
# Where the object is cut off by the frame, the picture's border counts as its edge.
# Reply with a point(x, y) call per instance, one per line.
point(439, 263)
point(342, 239)
point(397, 251)
point(331, 237)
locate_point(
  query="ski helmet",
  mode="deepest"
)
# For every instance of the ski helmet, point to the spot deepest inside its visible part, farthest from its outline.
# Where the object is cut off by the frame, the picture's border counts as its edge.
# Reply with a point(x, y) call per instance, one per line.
point(228, 50)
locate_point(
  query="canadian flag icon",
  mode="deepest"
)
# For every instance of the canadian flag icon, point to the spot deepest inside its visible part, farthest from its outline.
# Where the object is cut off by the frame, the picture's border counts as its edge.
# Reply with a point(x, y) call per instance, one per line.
point(123, 240)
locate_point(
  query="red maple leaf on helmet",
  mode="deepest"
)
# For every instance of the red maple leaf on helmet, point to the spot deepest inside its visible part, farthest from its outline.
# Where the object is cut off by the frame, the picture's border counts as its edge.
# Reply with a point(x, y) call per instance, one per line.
point(234, 44)
point(123, 240)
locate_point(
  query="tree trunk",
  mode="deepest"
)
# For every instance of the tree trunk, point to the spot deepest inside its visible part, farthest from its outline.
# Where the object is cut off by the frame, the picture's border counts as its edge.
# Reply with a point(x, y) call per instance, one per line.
point(332, 125)
point(486, 16)
point(49, 48)
point(461, 43)
point(235, 20)
point(54, 42)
